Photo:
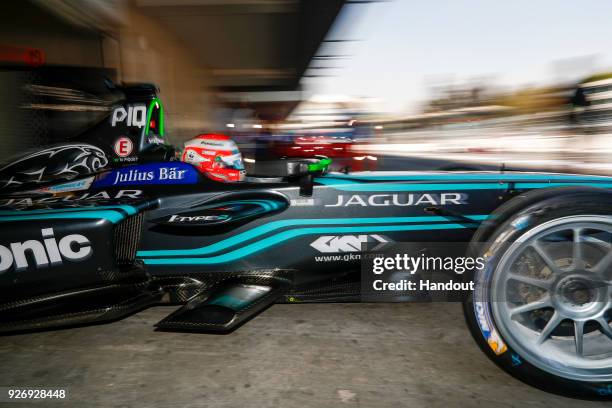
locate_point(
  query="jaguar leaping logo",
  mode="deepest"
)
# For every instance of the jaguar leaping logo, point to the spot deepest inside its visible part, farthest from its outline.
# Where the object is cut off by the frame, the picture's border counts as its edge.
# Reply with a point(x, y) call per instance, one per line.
point(58, 162)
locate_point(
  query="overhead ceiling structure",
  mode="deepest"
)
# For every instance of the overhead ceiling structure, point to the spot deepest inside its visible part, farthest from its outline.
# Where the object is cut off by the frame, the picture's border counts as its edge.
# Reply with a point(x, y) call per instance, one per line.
point(256, 50)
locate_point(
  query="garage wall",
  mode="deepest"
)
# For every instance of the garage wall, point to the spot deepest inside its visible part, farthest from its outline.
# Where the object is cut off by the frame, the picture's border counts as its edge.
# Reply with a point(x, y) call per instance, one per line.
point(150, 53)
point(28, 25)
point(133, 46)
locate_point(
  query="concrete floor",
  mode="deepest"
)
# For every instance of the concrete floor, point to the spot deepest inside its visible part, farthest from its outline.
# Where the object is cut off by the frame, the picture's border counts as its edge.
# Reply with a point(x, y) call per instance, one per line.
point(376, 355)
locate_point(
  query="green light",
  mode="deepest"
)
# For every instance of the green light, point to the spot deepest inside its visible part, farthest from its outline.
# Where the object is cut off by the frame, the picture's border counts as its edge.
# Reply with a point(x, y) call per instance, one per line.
point(321, 165)
point(155, 103)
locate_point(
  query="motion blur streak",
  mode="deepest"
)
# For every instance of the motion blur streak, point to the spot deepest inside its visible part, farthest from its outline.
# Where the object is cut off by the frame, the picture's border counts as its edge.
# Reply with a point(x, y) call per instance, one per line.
point(297, 78)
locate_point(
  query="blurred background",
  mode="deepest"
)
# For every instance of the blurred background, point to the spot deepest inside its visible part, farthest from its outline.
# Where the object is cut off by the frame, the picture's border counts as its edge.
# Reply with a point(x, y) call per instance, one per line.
point(376, 85)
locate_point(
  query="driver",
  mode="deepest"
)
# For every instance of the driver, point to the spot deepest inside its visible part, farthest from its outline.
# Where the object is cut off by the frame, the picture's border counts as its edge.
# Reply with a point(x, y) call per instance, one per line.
point(216, 156)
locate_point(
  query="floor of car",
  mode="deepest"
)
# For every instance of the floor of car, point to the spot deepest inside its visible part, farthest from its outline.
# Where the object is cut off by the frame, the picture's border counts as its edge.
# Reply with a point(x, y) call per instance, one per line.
point(309, 355)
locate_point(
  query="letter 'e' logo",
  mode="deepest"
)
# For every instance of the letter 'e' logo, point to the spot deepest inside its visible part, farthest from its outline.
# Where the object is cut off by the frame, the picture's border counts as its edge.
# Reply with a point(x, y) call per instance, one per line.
point(123, 147)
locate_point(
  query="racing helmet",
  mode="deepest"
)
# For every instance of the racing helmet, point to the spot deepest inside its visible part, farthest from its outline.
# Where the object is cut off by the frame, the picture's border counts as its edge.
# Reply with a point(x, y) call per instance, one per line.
point(216, 156)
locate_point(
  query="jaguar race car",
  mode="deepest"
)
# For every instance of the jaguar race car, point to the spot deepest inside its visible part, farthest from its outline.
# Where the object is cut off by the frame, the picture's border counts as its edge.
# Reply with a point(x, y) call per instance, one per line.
point(95, 231)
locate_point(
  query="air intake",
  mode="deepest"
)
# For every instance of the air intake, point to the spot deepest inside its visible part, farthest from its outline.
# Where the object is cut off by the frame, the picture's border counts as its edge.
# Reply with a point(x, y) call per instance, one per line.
point(127, 239)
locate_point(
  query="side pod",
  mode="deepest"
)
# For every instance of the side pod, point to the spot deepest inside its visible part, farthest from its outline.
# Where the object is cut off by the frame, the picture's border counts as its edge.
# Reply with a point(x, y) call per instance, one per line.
point(227, 305)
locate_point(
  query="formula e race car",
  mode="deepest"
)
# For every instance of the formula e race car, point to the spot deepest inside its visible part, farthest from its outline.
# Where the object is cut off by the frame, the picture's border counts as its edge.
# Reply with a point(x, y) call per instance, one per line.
point(94, 231)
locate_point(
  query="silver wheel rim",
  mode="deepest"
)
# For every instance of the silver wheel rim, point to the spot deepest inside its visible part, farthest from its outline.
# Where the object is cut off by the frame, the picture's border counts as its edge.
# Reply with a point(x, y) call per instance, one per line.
point(551, 297)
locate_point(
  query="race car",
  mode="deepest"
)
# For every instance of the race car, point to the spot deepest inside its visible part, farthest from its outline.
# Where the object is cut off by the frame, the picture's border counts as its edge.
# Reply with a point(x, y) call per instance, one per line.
point(113, 240)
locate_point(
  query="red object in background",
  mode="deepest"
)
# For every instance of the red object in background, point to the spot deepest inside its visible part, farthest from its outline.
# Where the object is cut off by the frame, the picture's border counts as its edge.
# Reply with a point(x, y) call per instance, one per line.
point(339, 149)
point(33, 57)
point(310, 146)
point(216, 156)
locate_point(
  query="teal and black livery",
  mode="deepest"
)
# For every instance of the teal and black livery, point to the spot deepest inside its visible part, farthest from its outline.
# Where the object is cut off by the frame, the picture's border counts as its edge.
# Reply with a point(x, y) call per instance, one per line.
point(113, 214)
point(72, 265)
point(381, 203)
point(224, 212)
point(458, 182)
point(225, 252)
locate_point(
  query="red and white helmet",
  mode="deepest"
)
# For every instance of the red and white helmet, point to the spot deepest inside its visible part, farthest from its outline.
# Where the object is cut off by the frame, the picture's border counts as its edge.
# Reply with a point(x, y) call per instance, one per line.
point(216, 156)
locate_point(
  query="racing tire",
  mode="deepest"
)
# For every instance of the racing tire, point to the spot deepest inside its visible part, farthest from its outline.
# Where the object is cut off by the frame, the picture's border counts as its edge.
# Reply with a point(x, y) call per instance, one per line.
point(559, 342)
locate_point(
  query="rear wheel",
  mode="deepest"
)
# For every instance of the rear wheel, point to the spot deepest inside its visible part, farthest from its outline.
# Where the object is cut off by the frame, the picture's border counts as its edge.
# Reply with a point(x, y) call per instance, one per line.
point(542, 308)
